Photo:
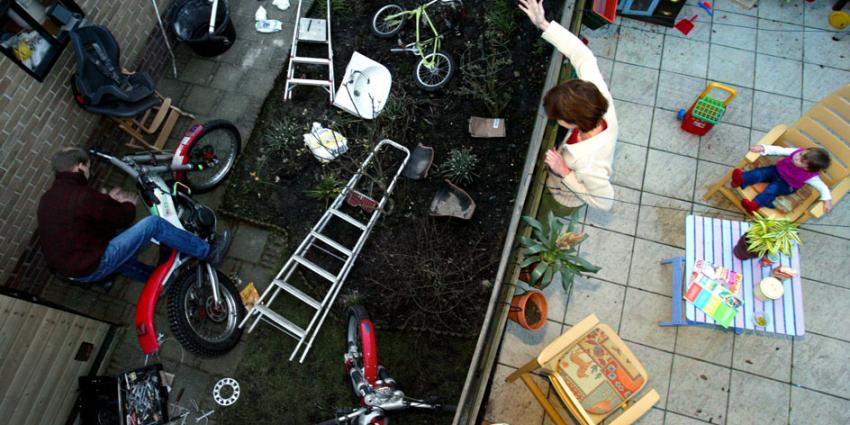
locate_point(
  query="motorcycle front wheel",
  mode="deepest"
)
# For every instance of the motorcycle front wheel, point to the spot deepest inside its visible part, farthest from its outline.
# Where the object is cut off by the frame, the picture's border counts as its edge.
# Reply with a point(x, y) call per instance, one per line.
point(203, 327)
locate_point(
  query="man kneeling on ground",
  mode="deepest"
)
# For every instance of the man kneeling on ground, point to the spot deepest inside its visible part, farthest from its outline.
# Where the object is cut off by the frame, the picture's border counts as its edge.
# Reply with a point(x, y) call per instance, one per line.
point(86, 235)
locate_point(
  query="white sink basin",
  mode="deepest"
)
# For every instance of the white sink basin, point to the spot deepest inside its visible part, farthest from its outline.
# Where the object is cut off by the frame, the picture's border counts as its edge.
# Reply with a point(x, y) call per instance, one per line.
point(365, 87)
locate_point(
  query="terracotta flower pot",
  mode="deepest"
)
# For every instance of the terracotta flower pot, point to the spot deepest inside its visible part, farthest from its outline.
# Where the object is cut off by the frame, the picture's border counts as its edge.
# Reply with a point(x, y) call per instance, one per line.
point(525, 275)
point(741, 251)
point(529, 310)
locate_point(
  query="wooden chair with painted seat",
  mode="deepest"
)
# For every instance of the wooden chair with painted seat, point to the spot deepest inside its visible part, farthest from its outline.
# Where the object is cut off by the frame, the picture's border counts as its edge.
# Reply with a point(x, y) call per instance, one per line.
point(594, 374)
point(825, 125)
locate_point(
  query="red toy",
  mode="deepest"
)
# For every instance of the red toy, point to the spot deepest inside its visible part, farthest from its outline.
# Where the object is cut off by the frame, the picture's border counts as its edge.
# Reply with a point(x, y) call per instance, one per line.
point(706, 111)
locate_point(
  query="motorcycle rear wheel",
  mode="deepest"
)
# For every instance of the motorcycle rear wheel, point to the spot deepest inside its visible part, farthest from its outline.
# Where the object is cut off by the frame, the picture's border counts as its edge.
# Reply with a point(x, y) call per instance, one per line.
point(203, 328)
point(217, 148)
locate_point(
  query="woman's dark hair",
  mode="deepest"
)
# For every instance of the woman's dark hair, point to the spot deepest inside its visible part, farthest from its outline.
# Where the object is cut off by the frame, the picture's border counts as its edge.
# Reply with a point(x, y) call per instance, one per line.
point(68, 158)
point(816, 159)
point(577, 102)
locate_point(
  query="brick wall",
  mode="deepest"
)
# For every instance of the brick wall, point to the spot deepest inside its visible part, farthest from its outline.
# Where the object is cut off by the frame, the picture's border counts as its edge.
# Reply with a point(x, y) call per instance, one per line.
point(37, 119)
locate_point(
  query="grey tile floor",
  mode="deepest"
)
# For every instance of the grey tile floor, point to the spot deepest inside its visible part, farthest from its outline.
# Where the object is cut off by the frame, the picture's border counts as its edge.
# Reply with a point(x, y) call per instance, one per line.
point(780, 60)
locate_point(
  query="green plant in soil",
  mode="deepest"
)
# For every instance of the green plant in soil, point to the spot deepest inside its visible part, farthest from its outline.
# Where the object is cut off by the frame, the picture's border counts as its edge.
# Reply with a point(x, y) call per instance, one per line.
point(327, 189)
point(554, 248)
point(480, 68)
point(500, 19)
point(337, 6)
point(460, 165)
point(284, 134)
point(541, 47)
point(771, 236)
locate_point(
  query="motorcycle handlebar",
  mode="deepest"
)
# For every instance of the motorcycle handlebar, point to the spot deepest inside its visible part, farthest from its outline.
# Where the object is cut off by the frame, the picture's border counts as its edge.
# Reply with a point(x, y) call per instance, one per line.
point(132, 164)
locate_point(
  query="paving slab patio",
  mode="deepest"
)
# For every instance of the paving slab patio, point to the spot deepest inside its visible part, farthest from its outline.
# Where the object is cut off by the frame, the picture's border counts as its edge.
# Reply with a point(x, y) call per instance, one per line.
point(210, 88)
point(781, 60)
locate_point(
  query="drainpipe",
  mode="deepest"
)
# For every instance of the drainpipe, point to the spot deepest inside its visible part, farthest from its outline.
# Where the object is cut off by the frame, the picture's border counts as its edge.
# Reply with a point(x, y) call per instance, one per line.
point(532, 183)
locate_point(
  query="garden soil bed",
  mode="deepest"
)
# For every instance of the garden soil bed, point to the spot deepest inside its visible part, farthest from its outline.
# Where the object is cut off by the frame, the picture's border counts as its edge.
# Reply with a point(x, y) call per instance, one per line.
point(415, 272)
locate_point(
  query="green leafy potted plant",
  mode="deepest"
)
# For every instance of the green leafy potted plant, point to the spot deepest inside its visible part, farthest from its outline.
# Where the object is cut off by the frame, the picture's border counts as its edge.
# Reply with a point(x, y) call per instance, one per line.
point(551, 249)
point(767, 237)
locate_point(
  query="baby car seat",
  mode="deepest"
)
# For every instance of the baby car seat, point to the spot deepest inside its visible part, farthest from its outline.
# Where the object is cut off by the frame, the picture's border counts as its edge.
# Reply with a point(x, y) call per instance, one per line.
point(99, 85)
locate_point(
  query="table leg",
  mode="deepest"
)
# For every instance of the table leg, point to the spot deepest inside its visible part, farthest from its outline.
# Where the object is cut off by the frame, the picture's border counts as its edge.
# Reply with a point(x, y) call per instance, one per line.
point(678, 318)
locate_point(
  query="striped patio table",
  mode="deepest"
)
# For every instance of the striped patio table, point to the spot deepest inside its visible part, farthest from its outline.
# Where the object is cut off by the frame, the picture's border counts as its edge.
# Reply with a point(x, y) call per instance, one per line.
point(713, 239)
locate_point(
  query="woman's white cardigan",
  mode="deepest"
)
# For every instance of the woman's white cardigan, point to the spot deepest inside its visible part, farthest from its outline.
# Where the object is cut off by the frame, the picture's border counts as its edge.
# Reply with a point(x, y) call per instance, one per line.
point(591, 159)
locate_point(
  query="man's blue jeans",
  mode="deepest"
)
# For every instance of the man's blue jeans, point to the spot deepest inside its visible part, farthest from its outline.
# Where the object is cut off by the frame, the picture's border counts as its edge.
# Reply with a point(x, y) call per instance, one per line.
point(776, 185)
point(120, 254)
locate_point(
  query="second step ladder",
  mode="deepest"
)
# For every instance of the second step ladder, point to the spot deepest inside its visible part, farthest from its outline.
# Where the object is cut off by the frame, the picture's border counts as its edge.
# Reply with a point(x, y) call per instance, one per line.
point(318, 240)
point(310, 30)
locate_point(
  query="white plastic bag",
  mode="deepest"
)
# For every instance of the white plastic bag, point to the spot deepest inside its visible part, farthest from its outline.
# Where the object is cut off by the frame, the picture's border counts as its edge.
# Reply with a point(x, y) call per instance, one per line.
point(281, 4)
point(325, 144)
point(261, 14)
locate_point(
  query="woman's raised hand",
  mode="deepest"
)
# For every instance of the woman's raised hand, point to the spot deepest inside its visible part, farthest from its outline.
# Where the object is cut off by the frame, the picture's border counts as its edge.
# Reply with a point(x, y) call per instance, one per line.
point(535, 12)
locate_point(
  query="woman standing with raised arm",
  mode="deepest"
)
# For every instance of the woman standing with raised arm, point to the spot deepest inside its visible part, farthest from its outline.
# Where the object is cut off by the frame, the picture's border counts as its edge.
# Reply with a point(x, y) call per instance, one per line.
point(580, 170)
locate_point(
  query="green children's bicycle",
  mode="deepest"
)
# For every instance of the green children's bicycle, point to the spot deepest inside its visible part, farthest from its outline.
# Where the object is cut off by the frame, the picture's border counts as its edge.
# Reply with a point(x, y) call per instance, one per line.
point(435, 67)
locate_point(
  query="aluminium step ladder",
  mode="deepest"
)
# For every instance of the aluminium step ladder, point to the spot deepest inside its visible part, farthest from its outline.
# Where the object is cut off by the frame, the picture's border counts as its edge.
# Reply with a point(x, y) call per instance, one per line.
point(310, 30)
point(324, 243)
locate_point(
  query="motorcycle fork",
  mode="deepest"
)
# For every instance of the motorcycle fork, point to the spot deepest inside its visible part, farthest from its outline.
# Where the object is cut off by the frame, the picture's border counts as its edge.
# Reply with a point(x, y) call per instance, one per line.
point(213, 280)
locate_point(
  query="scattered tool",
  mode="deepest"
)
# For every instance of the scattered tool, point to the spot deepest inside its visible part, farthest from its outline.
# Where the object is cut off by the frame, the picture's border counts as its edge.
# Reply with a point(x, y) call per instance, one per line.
point(706, 6)
point(685, 25)
point(706, 111)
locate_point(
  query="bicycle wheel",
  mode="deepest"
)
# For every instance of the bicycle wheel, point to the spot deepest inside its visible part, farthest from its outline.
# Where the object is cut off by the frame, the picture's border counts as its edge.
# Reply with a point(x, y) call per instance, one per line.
point(436, 77)
point(384, 24)
point(216, 148)
point(202, 327)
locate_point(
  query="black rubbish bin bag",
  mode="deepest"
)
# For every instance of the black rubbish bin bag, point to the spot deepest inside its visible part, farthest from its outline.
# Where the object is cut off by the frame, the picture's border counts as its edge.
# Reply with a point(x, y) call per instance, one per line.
point(191, 23)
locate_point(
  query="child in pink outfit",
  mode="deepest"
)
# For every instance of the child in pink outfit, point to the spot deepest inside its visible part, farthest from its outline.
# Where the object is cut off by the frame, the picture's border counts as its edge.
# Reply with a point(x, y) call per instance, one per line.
point(798, 168)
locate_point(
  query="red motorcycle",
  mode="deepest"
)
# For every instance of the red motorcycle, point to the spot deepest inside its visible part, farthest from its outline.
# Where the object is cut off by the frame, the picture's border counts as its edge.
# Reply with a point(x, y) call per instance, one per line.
point(377, 390)
point(204, 306)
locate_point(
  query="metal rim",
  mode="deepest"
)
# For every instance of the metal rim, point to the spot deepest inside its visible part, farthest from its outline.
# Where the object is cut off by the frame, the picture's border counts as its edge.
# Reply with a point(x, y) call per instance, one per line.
point(355, 343)
point(381, 26)
point(438, 73)
point(207, 152)
point(234, 391)
point(201, 313)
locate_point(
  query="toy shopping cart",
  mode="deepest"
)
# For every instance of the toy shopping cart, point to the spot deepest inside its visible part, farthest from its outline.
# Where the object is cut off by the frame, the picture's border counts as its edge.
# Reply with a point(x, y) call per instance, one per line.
point(706, 111)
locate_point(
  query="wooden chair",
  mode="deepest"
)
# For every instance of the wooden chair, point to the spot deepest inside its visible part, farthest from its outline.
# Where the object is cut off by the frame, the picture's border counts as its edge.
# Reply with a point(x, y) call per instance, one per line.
point(151, 129)
point(826, 125)
point(574, 365)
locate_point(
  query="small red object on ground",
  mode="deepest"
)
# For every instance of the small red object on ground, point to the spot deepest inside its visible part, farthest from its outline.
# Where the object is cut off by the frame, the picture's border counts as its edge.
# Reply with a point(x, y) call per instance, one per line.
point(606, 9)
point(685, 25)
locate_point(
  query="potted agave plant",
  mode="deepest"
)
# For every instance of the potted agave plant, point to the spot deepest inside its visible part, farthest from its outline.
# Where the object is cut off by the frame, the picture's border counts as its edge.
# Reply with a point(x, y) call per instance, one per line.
point(553, 249)
point(767, 238)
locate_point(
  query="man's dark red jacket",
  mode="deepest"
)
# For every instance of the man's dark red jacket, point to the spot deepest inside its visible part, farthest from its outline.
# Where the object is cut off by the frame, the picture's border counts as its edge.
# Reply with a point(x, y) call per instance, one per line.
point(76, 223)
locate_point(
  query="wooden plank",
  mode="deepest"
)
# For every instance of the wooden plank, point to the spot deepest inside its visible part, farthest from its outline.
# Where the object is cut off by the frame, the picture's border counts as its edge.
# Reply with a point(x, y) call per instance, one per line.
point(65, 379)
point(20, 365)
point(15, 316)
point(822, 136)
point(31, 376)
point(56, 366)
point(69, 379)
point(61, 355)
point(20, 339)
point(838, 104)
